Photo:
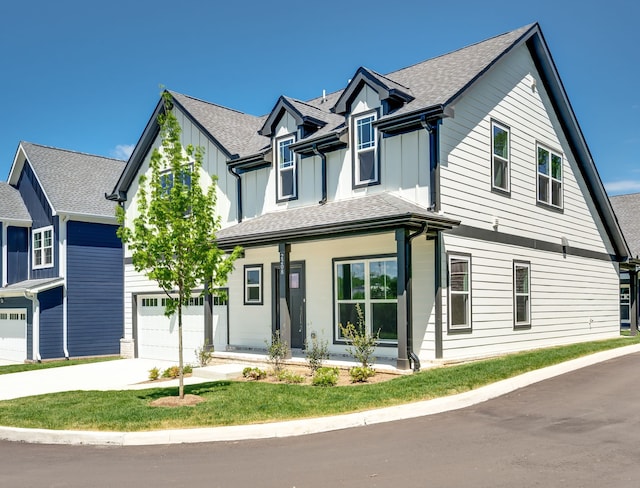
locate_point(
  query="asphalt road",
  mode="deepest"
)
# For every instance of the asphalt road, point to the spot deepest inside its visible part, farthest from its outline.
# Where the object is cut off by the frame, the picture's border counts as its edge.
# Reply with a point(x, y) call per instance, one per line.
point(576, 430)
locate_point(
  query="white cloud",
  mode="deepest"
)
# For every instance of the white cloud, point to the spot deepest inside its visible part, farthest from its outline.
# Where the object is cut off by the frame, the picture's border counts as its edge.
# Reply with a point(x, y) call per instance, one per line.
point(122, 151)
point(622, 186)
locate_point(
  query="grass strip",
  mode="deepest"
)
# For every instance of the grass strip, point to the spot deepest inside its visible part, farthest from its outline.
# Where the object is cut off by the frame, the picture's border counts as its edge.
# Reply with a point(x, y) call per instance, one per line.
point(22, 367)
point(233, 403)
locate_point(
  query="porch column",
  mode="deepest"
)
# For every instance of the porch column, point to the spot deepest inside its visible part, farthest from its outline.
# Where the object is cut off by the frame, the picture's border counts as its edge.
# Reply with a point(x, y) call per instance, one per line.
point(403, 251)
point(633, 302)
point(284, 320)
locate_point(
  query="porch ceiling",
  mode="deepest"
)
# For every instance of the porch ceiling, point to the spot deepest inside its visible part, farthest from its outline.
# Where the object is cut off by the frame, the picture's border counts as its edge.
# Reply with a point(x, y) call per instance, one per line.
point(368, 214)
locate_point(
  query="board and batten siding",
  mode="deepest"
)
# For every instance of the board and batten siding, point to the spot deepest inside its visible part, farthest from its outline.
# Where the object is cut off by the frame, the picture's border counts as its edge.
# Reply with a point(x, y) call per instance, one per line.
point(94, 289)
point(506, 94)
point(573, 299)
point(17, 254)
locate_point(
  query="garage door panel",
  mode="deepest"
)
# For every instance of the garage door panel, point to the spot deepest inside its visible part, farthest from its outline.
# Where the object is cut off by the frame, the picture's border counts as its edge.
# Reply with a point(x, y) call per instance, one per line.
point(13, 335)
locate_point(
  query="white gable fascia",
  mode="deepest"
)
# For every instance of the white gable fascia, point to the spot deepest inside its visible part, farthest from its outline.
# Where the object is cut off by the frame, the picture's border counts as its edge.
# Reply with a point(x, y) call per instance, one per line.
point(16, 170)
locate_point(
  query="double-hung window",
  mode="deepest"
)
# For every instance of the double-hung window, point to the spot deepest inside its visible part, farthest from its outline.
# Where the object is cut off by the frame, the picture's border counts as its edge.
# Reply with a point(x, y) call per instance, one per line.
point(549, 177)
point(501, 147)
point(287, 167)
point(253, 285)
point(42, 255)
point(366, 170)
point(459, 292)
point(521, 294)
point(366, 291)
point(167, 178)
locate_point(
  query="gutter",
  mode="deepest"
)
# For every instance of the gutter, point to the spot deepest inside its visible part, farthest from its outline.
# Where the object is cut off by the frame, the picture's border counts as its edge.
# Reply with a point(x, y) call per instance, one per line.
point(63, 271)
point(33, 297)
point(323, 159)
point(434, 161)
point(236, 175)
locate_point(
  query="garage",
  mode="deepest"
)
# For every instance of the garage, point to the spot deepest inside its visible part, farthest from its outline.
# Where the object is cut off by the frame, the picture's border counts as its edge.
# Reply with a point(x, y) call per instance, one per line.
point(13, 335)
point(157, 335)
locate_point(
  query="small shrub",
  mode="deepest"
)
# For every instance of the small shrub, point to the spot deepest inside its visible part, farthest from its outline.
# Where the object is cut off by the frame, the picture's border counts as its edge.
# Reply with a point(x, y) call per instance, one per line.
point(171, 372)
point(277, 351)
point(204, 354)
point(187, 369)
point(360, 374)
point(254, 373)
point(154, 374)
point(317, 352)
point(325, 377)
point(289, 377)
point(361, 343)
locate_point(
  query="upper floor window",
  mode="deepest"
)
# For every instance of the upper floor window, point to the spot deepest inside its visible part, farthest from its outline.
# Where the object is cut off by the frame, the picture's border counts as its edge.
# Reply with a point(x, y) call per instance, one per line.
point(286, 166)
point(366, 170)
point(42, 255)
point(549, 177)
point(501, 148)
point(166, 178)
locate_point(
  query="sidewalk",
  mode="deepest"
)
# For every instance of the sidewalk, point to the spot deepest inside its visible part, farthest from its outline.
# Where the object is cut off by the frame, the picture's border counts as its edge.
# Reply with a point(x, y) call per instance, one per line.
point(131, 370)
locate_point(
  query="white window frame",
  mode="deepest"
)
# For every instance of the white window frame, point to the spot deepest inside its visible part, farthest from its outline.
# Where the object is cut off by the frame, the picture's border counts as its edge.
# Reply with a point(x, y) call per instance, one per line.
point(496, 157)
point(358, 148)
point(367, 302)
point(466, 327)
point(42, 248)
point(167, 177)
point(258, 285)
point(286, 166)
point(549, 178)
point(522, 324)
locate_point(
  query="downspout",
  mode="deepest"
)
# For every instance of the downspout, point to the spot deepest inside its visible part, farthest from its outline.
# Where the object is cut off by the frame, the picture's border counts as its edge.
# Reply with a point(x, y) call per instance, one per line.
point(238, 192)
point(413, 357)
point(33, 297)
point(434, 161)
point(323, 159)
point(4, 258)
point(63, 272)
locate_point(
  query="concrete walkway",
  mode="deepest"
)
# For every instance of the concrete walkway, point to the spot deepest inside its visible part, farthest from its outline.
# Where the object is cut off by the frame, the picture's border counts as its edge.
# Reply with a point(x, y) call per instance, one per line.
point(127, 374)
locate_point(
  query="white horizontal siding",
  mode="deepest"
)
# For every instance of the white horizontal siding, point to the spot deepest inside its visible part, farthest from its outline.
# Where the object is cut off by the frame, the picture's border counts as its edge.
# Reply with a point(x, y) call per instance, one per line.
point(506, 95)
point(573, 299)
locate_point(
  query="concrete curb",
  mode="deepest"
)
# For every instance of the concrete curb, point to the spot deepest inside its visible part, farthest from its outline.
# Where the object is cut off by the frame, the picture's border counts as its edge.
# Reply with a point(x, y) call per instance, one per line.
point(308, 426)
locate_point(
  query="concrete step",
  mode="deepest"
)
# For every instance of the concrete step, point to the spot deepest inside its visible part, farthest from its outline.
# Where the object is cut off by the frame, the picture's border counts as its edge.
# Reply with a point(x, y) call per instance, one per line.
point(220, 371)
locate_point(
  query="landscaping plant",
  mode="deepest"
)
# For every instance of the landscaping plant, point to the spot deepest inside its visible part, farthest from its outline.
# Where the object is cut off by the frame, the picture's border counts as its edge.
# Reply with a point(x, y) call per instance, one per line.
point(277, 352)
point(317, 352)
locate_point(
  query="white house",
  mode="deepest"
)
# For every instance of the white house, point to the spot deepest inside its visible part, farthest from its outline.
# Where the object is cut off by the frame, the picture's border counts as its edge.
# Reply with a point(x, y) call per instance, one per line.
point(455, 202)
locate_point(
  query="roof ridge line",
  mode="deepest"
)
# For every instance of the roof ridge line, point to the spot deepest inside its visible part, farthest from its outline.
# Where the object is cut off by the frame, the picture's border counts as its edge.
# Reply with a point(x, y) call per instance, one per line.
point(81, 153)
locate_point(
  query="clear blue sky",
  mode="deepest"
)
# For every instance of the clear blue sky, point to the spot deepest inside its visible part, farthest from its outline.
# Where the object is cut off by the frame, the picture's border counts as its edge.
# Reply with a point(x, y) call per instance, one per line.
point(85, 75)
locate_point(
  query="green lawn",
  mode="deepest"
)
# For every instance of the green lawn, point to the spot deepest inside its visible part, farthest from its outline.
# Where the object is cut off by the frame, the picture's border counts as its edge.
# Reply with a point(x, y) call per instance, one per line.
point(232, 403)
point(19, 368)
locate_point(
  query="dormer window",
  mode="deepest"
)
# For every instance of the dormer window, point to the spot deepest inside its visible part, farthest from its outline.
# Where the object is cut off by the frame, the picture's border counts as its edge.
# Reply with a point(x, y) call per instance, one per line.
point(366, 170)
point(42, 256)
point(287, 183)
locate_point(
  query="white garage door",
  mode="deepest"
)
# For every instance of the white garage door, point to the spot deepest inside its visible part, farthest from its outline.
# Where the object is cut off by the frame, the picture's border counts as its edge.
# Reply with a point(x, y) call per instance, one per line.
point(158, 335)
point(13, 335)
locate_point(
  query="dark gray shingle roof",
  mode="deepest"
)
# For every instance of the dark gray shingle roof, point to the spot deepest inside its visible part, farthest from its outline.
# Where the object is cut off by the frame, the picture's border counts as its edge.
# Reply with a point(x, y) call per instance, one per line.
point(11, 204)
point(366, 212)
point(627, 210)
point(75, 182)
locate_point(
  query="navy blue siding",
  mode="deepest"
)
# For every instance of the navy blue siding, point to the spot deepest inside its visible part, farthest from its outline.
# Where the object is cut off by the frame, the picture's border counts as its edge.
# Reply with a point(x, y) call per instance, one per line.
point(51, 323)
point(20, 302)
point(17, 254)
point(1, 257)
point(95, 294)
point(41, 216)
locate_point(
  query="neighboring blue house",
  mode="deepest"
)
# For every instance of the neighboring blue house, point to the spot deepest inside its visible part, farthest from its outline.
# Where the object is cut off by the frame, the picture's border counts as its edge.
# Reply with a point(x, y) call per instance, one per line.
point(61, 261)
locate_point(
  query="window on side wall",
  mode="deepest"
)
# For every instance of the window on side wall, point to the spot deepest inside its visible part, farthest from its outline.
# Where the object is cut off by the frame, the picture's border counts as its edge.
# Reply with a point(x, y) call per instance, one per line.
point(287, 183)
point(521, 295)
point(369, 285)
point(42, 255)
point(253, 285)
point(366, 168)
point(549, 177)
point(500, 157)
point(167, 178)
point(459, 266)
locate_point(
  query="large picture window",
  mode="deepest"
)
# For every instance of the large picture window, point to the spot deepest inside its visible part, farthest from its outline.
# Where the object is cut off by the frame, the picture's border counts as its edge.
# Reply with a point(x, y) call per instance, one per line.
point(286, 166)
point(549, 177)
point(459, 292)
point(365, 150)
point(501, 148)
point(369, 285)
point(42, 255)
point(521, 294)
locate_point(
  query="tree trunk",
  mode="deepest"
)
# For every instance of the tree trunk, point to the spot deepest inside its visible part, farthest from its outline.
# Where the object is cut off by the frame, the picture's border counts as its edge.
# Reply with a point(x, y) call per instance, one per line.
point(180, 364)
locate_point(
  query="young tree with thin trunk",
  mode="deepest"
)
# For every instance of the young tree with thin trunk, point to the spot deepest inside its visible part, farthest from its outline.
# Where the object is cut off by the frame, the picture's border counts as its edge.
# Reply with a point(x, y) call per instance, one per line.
point(173, 237)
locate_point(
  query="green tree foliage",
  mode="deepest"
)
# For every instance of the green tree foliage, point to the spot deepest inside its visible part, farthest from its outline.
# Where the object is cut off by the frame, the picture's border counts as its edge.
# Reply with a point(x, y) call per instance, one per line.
point(173, 237)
